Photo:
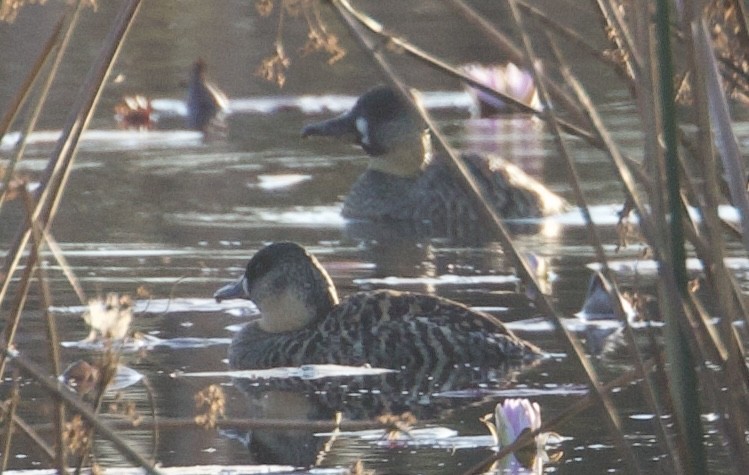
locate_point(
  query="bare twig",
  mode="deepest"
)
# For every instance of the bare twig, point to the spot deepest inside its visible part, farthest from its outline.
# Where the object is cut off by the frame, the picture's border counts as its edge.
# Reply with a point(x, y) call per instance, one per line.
point(568, 413)
point(593, 381)
point(58, 168)
point(58, 390)
point(25, 89)
point(42, 96)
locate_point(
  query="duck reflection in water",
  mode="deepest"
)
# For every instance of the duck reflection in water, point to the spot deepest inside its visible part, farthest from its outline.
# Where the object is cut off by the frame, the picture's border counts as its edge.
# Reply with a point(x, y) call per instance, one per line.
point(435, 345)
point(405, 185)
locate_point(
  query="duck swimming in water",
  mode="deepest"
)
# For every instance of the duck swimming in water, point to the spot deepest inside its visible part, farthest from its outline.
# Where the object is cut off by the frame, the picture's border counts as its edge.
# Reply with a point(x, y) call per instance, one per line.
point(205, 101)
point(404, 182)
point(302, 321)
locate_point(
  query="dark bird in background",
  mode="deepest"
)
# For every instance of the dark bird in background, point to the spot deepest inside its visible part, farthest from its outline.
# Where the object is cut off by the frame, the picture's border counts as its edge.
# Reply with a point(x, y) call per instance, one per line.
point(205, 101)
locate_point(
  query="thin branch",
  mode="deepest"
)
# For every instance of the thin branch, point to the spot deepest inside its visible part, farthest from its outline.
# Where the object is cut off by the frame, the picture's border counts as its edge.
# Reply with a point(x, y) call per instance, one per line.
point(440, 65)
point(58, 390)
point(595, 384)
point(59, 166)
point(42, 96)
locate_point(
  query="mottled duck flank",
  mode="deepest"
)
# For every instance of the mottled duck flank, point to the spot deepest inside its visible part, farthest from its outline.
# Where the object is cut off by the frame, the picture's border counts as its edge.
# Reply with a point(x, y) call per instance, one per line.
point(303, 322)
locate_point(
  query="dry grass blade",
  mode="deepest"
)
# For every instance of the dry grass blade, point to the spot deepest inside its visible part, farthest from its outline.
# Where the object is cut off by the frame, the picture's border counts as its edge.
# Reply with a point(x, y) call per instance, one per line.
point(58, 390)
point(710, 102)
point(612, 414)
point(54, 355)
point(42, 95)
point(25, 89)
point(58, 168)
point(648, 390)
point(732, 160)
point(544, 305)
point(621, 36)
point(515, 54)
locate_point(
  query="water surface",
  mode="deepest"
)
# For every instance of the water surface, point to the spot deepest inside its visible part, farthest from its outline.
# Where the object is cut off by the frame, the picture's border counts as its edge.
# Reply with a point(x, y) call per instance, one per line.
point(167, 217)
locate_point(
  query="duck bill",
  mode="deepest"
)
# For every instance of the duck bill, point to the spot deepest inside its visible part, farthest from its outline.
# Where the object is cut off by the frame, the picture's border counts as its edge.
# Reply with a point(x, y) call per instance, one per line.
point(335, 127)
point(236, 290)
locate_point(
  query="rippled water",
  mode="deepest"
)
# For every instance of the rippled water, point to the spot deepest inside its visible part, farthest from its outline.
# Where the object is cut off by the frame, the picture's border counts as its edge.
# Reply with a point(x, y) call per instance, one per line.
point(177, 217)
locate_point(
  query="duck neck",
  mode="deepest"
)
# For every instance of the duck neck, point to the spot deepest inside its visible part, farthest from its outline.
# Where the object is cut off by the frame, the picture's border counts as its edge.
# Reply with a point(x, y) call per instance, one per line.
point(285, 313)
point(297, 308)
point(407, 159)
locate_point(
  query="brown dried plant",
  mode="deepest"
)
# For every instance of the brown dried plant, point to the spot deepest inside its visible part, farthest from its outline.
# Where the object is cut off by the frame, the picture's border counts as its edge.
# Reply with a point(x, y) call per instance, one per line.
point(9, 9)
point(397, 424)
point(273, 68)
point(77, 435)
point(211, 401)
point(318, 37)
point(264, 7)
point(127, 409)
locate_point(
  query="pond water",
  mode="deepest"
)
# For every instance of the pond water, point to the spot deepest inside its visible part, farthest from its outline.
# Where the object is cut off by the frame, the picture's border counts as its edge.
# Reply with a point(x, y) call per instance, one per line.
point(168, 217)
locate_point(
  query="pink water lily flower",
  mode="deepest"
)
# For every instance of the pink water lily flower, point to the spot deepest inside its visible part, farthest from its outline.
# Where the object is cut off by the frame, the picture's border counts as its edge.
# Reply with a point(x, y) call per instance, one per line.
point(507, 78)
point(512, 418)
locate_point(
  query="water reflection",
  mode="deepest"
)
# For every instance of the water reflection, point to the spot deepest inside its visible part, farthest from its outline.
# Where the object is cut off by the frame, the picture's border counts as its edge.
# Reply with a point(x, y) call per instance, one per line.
point(421, 394)
point(169, 211)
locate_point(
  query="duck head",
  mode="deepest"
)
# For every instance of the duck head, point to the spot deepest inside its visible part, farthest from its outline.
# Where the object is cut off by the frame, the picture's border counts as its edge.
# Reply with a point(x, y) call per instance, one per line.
point(384, 125)
point(287, 284)
point(598, 303)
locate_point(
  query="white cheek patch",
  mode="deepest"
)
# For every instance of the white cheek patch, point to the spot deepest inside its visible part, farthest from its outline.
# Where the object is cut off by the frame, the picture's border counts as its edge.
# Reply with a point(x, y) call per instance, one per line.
point(362, 126)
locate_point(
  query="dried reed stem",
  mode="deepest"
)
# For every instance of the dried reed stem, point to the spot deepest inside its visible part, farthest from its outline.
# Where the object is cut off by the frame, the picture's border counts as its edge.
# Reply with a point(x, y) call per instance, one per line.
point(26, 86)
point(542, 301)
point(42, 96)
point(59, 391)
point(59, 166)
point(593, 380)
point(515, 53)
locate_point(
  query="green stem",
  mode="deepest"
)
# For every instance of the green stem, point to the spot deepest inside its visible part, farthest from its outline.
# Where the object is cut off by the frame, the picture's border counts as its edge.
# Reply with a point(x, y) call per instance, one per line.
point(684, 379)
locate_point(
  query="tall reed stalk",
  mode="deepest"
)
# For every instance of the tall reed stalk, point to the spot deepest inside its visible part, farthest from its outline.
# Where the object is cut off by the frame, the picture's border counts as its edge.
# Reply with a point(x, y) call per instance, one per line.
point(660, 187)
